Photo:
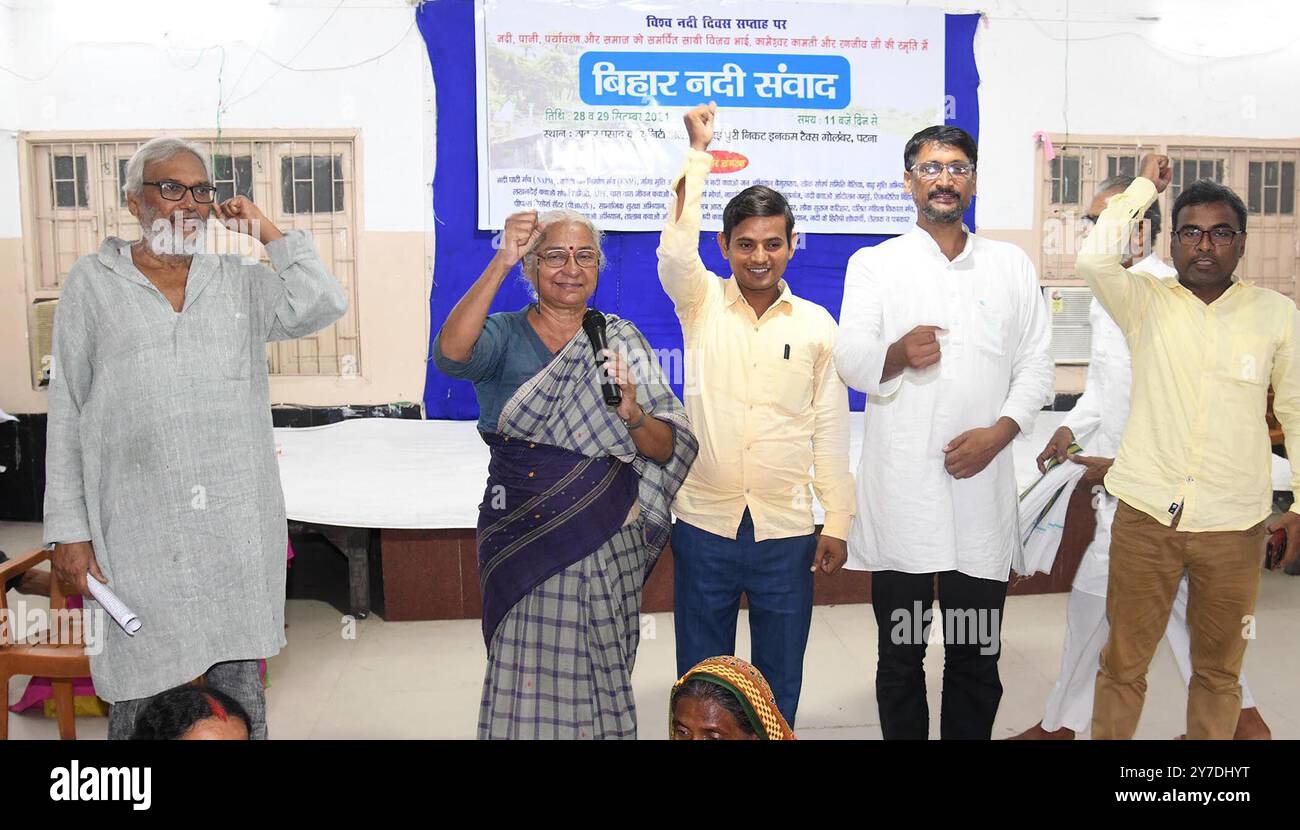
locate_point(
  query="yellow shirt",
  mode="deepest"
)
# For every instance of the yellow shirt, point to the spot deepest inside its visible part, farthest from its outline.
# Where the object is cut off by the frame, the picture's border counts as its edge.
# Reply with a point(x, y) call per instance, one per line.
point(1196, 435)
point(763, 395)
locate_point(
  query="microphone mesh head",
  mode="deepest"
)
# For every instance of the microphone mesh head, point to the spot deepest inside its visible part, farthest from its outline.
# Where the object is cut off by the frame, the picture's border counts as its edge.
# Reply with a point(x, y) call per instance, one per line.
point(593, 319)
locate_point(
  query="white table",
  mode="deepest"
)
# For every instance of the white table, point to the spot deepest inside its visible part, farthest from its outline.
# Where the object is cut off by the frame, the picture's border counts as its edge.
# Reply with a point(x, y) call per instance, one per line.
point(371, 473)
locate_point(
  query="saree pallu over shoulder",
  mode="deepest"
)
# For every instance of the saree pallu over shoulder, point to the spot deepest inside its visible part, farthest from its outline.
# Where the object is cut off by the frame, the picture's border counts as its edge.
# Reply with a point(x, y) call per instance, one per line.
point(558, 423)
point(545, 508)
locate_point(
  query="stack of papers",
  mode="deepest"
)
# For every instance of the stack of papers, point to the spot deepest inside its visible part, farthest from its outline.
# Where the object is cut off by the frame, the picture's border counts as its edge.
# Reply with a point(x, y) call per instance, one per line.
point(1043, 505)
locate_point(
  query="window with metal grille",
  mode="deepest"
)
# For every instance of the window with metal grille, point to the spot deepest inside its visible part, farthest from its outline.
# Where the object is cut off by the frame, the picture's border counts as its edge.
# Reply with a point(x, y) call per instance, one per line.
point(68, 179)
point(1065, 180)
point(233, 176)
point(121, 181)
point(1271, 187)
point(73, 199)
point(311, 184)
point(1261, 171)
point(1187, 171)
point(1121, 166)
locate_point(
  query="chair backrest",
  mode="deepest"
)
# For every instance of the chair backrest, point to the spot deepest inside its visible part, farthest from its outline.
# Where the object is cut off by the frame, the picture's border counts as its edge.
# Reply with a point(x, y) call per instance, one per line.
point(16, 567)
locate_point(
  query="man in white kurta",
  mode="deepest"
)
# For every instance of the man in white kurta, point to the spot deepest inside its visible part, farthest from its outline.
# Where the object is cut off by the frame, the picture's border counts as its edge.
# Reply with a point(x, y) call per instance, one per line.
point(948, 334)
point(161, 476)
point(1096, 424)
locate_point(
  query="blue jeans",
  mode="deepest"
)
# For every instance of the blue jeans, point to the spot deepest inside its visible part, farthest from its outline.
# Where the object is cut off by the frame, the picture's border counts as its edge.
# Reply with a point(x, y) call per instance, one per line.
point(710, 573)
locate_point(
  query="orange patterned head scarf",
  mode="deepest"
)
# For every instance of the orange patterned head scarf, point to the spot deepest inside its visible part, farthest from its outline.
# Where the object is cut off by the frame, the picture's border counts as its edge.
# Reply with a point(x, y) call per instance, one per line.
point(747, 684)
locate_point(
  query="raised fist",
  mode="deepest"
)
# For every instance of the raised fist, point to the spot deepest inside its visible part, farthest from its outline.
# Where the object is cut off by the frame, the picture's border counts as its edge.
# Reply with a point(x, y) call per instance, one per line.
point(700, 122)
point(1156, 168)
point(521, 233)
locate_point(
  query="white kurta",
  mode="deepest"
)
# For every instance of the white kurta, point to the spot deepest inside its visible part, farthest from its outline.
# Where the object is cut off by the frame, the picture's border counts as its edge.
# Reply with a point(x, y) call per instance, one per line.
point(912, 515)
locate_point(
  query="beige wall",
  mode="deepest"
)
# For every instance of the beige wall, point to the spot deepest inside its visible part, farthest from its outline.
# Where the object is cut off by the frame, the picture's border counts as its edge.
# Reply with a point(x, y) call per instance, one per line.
point(1026, 240)
point(16, 393)
point(393, 305)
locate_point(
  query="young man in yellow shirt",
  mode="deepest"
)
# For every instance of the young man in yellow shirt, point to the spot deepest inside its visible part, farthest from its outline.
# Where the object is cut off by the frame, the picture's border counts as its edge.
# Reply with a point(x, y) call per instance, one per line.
point(767, 405)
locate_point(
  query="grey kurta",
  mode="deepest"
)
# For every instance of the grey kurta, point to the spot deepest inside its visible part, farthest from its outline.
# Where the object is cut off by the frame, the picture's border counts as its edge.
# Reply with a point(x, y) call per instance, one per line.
point(160, 452)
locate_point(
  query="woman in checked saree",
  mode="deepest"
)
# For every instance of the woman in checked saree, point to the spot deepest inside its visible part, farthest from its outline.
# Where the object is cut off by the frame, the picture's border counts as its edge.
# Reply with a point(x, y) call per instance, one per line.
point(576, 509)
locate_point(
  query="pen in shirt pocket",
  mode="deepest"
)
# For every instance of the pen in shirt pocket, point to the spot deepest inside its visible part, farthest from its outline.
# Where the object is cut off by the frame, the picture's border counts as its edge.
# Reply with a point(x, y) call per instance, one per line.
point(787, 351)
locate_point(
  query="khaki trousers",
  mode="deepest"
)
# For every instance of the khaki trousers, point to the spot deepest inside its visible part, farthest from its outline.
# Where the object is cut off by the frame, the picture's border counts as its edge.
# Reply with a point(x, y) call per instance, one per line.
point(1147, 561)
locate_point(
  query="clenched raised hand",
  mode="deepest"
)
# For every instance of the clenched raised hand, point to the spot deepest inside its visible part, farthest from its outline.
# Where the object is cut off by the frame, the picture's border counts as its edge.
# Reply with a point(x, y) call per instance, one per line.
point(521, 233)
point(700, 122)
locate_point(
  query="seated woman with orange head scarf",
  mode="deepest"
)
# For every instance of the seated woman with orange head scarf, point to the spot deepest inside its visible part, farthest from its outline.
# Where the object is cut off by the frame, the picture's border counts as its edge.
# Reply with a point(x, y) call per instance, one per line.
point(725, 699)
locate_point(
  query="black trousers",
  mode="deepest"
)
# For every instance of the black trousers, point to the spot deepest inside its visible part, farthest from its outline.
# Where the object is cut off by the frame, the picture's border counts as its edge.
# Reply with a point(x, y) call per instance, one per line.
point(970, 616)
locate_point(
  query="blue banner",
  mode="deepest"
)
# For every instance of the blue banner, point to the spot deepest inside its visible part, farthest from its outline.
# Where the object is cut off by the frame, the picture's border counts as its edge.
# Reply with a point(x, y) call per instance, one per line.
point(629, 286)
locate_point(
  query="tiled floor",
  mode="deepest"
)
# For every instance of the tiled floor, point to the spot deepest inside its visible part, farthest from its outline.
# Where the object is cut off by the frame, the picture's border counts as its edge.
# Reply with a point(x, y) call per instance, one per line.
point(422, 679)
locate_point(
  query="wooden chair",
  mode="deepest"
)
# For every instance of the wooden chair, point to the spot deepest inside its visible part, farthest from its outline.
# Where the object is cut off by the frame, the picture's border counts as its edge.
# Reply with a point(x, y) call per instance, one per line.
point(61, 662)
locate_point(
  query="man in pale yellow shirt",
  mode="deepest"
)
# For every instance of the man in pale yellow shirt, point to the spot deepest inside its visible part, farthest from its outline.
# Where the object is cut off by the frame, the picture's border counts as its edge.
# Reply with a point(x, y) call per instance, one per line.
point(1193, 469)
point(767, 405)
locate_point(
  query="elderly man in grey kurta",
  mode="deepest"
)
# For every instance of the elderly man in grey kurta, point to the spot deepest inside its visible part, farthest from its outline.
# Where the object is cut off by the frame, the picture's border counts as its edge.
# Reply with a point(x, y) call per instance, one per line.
point(161, 475)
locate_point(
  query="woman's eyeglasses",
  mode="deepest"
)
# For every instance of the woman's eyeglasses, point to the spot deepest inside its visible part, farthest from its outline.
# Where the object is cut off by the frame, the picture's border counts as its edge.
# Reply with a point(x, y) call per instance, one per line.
point(559, 259)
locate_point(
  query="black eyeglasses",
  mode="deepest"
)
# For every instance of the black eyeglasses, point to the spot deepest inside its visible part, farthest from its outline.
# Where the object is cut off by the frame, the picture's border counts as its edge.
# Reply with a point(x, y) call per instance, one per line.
point(1220, 236)
point(931, 170)
point(204, 194)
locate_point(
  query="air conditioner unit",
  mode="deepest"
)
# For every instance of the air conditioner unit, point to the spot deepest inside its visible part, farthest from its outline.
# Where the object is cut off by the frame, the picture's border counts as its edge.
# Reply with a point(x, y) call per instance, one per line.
point(1071, 331)
point(41, 326)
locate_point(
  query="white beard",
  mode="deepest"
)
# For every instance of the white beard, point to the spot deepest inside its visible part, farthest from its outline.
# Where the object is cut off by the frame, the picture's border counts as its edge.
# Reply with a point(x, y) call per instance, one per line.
point(176, 239)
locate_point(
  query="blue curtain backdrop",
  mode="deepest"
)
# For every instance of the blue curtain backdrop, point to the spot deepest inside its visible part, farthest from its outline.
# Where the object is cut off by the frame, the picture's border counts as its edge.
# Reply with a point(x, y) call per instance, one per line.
point(629, 287)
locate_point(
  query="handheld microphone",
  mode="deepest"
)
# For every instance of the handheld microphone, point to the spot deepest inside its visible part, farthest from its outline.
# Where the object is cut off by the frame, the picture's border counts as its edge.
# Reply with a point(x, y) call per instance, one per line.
point(593, 323)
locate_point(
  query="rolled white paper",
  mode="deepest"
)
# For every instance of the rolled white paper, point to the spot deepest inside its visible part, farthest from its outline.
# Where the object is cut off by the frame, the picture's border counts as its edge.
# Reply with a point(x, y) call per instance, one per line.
point(122, 615)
